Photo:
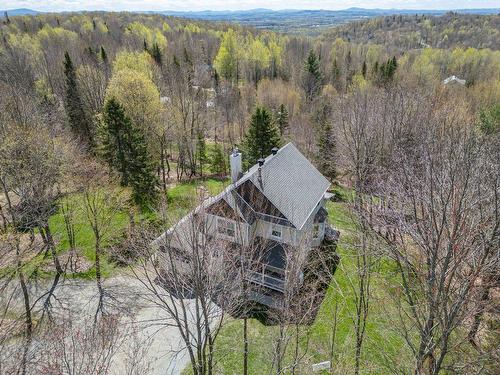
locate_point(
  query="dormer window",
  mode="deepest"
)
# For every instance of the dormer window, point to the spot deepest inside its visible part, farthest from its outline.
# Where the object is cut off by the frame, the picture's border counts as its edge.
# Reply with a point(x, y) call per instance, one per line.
point(276, 232)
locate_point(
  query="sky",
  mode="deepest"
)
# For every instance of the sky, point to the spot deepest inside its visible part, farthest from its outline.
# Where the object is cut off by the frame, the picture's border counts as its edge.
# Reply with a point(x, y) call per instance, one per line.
point(142, 5)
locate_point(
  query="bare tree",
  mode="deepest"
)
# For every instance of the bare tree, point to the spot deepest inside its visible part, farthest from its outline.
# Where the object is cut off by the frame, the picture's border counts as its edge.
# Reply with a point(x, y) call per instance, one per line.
point(438, 214)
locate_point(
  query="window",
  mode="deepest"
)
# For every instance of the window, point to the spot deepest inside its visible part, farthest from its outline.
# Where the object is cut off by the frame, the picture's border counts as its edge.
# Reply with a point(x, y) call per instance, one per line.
point(316, 231)
point(276, 231)
point(226, 227)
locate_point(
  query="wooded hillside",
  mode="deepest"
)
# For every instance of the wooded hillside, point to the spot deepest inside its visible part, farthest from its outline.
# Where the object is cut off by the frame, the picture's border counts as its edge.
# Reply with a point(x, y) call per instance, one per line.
point(115, 125)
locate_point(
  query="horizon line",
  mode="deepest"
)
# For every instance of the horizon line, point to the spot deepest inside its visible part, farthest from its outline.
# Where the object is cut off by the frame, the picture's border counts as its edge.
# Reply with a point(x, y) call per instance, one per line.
point(253, 9)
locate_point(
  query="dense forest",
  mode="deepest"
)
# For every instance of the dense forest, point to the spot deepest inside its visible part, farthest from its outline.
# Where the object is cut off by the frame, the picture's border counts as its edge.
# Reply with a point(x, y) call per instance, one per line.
point(114, 125)
point(405, 32)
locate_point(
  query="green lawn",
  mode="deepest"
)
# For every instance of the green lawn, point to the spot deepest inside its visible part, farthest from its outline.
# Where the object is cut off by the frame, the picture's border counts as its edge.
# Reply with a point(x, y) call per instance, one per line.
point(382, 345)
point(84, 237)
point(180, 199)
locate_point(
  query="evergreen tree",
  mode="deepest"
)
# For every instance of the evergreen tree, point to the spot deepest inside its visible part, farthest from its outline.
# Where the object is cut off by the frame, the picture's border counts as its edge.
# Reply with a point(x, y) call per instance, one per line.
point(313, 78)
point(143, 179)
point(77, 118)
point(282, 119)
point(218, 162)
point(363, 69)
point(201, 150)
point(125, 149)
point(104, 55)
point(262, 136)
point(326, 145)
point(155, 53)
point(115, 138)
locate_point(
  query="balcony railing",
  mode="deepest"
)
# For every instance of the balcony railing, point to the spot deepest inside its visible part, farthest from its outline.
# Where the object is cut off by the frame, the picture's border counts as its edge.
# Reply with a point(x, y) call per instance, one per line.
point(261, 278)
point(247, 209)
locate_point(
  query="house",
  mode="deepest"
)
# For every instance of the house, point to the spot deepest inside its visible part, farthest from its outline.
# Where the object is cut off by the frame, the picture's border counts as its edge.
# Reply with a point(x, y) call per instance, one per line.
point(454, 81)
point(276, 210)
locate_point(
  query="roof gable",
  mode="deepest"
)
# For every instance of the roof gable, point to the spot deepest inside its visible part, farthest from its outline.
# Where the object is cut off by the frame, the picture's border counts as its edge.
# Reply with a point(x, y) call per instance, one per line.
point(290, 182)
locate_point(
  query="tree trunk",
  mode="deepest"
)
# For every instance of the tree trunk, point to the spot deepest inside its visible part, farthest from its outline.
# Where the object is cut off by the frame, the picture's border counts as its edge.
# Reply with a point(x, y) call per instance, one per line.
point(245, 346)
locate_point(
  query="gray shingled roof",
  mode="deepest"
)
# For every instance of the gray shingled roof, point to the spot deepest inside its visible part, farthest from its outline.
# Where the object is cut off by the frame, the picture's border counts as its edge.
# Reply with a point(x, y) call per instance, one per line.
point(290, 182)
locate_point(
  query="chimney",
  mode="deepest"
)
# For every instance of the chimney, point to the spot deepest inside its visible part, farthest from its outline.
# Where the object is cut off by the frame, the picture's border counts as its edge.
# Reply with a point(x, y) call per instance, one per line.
point(261, 162)
point(274, 150)
point(235, 162)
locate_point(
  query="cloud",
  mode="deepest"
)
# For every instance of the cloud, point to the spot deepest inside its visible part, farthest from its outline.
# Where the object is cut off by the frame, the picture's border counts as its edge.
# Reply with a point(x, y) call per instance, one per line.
point(140, 5)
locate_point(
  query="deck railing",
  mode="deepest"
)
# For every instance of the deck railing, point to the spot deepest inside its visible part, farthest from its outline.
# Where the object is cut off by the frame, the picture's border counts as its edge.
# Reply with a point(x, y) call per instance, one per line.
point(266, 217)
point(261, 278)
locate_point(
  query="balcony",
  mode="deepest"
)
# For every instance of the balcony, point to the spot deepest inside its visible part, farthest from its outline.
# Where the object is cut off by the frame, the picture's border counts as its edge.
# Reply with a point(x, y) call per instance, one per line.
point(270, 277)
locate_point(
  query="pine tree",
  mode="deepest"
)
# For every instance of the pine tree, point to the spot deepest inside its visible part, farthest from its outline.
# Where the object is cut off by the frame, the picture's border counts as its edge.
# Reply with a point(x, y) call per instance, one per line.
point(363, 69)
point(218, 163)
point(115, 138)
point(143, 179)
point(313, 77)
point(326, 146)
point(104, 56)
point(201, 151)
point(262, 136)
point(282, 119)
point(77, 118)
point(155, 53)
point(125, 149)
point(326, 151)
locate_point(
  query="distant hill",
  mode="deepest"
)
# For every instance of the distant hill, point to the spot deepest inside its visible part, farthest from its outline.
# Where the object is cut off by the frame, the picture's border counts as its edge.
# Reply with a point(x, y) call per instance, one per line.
point(291, 20)
point(294, 20)
point(18, 12)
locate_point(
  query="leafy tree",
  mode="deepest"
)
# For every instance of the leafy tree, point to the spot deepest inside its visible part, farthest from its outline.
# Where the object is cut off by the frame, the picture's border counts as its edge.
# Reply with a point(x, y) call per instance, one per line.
point(140, 98)
point(77, 117)
point(489, 120)
point(262, 136)
point(282, 119)
point(258, 57)
point(136, 61)
point(125, 149)
point(313, 78)
point(218, 162)
point(227, 59)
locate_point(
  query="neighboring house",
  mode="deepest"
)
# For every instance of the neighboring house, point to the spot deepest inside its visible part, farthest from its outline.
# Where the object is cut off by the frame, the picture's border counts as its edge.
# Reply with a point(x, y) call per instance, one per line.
point(276, 209)
point(454, 81)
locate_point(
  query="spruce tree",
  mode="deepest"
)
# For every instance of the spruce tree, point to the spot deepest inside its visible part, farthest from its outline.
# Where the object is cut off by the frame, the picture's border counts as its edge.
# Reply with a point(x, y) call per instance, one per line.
point(313, 78)
point(115, 138)
point(155, 53)
point(77, 118)
point(104, 55)
point(326, 145)
point(201, 151)
point(282, 119)
point(143, 179)
point(326, 151)
point(125, 150)
point(262, 136)
point(218, 162)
